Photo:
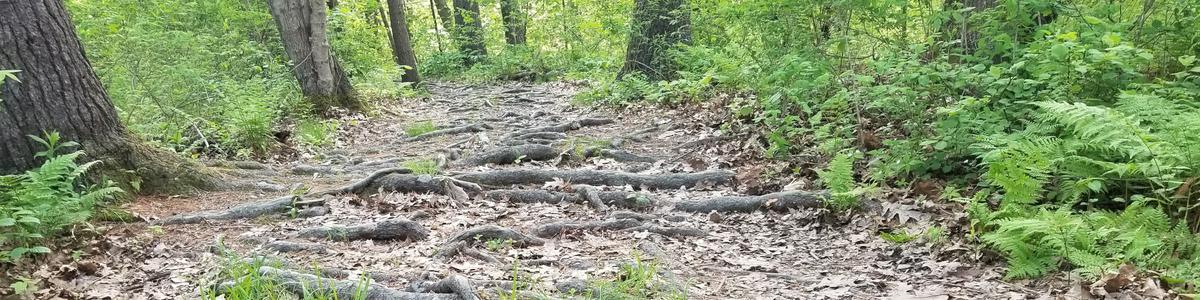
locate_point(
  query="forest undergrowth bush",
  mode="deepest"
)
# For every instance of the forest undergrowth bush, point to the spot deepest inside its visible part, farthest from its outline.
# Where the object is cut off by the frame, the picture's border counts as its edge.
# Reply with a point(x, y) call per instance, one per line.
point(1073, 125)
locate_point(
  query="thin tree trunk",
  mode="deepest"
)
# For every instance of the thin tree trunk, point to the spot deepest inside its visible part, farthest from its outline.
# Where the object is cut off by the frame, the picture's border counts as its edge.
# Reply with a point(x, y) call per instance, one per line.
point(436, 35)
point(963, 32)
point(58, 91)
point(514, 22)
point(401, 44)
point(322, 80)
point(469, 30)
point(657, 26)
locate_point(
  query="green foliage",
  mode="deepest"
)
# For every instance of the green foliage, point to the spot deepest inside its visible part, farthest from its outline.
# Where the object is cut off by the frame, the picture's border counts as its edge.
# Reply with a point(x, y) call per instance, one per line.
point(316, 133)
point(422, 166)
point(839, 178)
point(44, 201)
point(635, 280)
point(897, 237)
point(420, 128)
point(8, 75)
point(241, 280)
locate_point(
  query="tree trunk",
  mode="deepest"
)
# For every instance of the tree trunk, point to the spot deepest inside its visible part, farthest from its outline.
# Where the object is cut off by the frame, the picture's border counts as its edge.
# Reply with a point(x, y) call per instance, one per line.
point(58, 91)
point(514, 22)
point(401, 44)
point(445, 15)
point(322, 80)
point(469, 30)
point(657, 26)
point(963, 32)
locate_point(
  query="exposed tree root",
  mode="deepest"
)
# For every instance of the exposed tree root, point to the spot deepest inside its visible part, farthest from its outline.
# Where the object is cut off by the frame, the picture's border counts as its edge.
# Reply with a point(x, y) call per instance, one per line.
point(628, 225)
point(512, 154)
point(289, 246)
point(454, 284)
point(519, 142)
point(394, 229)
point(311, 170)
point(614, 198)
point(564, 127)
point(483, 233)
point(471, 128)
point(595, 177)
point(780, 202)
point(301, 284)
point(361, 186)
point(244, 211)
point(592, 196)
point(542, 136)
point(617, 155)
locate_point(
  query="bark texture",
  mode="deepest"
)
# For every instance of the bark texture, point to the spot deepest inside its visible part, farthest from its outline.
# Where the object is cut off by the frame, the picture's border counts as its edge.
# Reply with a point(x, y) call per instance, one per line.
point(402, 49)
point(444, 14)
point(301, 25)
point(468, 30)
point(657, 26)
point(58, 91)
point(514, 21)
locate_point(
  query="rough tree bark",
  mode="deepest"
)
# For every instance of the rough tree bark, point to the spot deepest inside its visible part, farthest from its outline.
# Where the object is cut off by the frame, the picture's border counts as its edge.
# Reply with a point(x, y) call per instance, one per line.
point(657, 26)
point(444, 14)
point(468, 32)
point(514, 22)
point(401, 44)
point(58, 91)
point(301, 25)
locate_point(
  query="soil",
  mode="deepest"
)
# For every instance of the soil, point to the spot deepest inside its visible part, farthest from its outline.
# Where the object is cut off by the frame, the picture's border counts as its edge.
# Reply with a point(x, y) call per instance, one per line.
point(794, 252)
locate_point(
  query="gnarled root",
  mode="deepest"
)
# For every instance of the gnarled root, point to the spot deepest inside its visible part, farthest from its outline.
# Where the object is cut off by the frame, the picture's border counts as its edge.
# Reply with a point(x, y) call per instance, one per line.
point(512, 154)
point(483, 233)
point(471, 128)
point(614, 198)
point(301, 284)
point(361, 186)
point(595, 177)
point(394, 229)
point(780, 202)
point(244, 211)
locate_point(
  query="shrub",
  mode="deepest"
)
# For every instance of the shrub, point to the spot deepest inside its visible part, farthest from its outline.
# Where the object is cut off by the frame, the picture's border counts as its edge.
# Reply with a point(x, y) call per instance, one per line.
point(41, 202)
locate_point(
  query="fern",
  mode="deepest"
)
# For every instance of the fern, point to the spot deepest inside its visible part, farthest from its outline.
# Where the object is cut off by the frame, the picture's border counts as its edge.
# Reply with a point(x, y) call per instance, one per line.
point(839, 178)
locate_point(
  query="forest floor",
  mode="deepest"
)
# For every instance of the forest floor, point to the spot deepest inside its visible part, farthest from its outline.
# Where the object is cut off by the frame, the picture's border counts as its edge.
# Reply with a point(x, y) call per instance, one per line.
point(554, 228)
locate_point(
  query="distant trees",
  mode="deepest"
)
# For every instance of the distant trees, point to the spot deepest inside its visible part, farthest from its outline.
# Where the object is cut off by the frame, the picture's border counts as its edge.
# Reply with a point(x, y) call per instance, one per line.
point(468, 30)
point(514, 21)
point(58, 91)
point(401, 43)
point(322, 80)
point(657, 26)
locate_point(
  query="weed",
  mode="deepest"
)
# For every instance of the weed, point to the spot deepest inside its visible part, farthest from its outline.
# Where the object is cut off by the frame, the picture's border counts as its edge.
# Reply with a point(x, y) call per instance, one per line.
point(419, 128)
point(316, 133)
point(422, 166)
point(897, 236)
point(498, 244)
point(839, 178)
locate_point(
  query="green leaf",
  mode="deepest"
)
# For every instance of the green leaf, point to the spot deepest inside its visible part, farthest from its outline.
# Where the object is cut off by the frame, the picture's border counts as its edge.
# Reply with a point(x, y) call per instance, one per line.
point(1187, 60)
point(5, 222)
point(1095, 185)
point(1111, 39)
point(29, 220)
point(39, 249)
point(1059, 50)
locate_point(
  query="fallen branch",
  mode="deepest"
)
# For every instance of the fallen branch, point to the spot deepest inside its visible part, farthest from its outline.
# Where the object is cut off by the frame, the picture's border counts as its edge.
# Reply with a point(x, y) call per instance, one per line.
point(244, 211)
point(779, 202)
point(595, 177)
point(394, 229)
point(471, 128)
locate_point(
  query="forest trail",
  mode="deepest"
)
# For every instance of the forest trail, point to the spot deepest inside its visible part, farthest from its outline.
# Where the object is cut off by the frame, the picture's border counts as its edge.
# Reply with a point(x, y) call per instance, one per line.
point(627, 192)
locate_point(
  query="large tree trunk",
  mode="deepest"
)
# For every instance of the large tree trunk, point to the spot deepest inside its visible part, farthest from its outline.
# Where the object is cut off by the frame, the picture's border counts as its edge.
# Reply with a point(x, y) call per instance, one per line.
point(514, 22)
point(469, 30)
point(301, 25)
point(657, 26)
point(58, 91)
point(401, 44)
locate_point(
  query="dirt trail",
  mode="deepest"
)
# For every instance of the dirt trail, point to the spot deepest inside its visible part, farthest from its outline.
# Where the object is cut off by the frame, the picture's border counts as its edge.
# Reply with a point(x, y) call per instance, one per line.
point(532, 186)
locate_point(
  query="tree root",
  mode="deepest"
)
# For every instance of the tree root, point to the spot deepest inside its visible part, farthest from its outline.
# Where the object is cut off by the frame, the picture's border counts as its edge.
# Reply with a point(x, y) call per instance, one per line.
point(361, 185)
point(564, 127)
point(289, 246)
point(244, 211)
point(595, 177)
point(512, 154)
point(617, 155)
point(779, 202)
point(312, 170)
point(471, 128)
point(301, 284)
point(394, 229)
point(483, 233)
point(614, 198)
point(542, 136)
point(454, 284)
point(627, 225)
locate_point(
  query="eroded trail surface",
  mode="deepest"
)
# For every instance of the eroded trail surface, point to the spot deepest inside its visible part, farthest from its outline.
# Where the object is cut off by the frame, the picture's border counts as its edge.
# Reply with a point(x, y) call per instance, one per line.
point(553, 198)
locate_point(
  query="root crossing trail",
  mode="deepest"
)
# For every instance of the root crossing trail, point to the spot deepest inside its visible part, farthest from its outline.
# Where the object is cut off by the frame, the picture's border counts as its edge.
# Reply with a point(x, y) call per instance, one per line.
point(533, 195)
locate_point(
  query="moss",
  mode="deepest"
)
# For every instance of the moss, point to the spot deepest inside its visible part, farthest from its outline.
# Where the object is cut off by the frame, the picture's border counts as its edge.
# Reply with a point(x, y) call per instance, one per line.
point(142, 169)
